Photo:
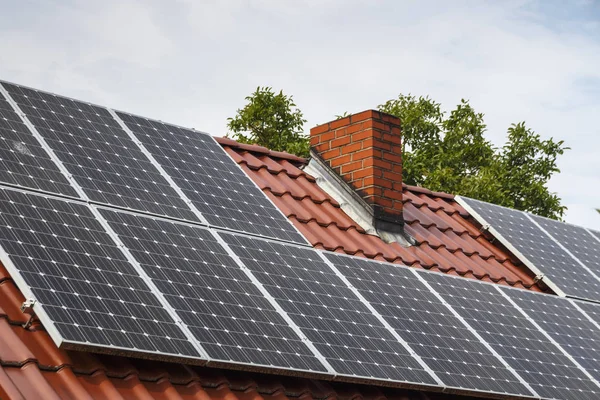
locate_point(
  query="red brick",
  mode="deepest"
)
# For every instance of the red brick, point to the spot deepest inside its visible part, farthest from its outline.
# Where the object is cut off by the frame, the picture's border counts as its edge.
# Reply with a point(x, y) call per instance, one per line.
point(328, 155)
point(327, 136)
point(391, 119)
point(382, 126)
point(395, 158)
point(398, 206)
point(339, 123)
point(369, 171)
point(359, 155)
point(336, 162)
point(340, 142)
point(314, 140)
point(383, 183)
point(366, 134)
point(393, 194)
point(397, 168)
point(319, 129)
point(372, 142)
point(382, 201)
point(355, 128)
point(351, 148)
point(392, 176)
point(371, 191)
point(351, 167)
point(342, 132)
point(396, 139)
point(322, 147)
point(385, 165)
point(364, 115)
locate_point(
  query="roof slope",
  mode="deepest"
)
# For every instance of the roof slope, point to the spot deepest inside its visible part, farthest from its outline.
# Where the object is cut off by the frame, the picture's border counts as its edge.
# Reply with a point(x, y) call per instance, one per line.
point(448, 238)
point(31, 366)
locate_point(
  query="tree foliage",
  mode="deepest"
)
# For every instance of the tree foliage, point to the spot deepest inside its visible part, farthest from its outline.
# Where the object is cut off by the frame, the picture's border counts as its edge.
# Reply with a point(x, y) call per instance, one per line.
point(272, 120)
point(449, 152)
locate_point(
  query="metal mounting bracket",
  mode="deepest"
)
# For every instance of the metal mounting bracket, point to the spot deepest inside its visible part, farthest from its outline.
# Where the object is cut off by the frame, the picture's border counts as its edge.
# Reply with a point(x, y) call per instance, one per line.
point(27, 308)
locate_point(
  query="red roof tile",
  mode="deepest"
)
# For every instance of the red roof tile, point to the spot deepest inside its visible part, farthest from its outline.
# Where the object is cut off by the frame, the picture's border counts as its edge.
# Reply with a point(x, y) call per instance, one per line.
point(31, 366)
point(448, 239)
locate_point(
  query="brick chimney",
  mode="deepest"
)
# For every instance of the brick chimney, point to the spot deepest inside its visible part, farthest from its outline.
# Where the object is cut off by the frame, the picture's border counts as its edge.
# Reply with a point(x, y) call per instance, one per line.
point(364, 150)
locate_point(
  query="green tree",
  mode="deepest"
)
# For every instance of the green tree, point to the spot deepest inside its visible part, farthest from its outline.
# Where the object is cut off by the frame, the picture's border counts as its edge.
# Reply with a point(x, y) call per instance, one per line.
point(449, 152)
point(272, 120)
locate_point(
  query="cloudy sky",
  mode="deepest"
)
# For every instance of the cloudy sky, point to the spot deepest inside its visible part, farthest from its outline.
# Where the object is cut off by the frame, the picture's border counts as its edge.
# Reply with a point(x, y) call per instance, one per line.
point(192, 62)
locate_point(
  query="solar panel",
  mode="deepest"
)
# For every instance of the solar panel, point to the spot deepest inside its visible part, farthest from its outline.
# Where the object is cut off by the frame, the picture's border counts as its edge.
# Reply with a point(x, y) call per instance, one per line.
point(60, 254)
point(563, 321)
point(519, 232)
point(23, 162)
point(577, 240)
point(527, 350)
point(217, 187)
point(446, 345)
point(211, 294)
point(341, 327)
point(592, 310)
point(102, 158)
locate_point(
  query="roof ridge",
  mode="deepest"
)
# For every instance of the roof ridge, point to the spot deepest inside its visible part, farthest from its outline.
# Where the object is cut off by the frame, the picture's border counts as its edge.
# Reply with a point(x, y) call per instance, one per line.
point(225, 141)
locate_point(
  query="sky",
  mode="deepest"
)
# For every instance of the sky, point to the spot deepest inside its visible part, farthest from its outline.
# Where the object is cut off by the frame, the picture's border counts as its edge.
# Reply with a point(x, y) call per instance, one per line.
point(192, 62)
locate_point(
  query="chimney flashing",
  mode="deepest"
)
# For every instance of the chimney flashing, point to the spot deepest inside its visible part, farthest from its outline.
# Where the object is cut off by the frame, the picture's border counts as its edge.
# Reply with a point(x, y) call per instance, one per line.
point(354, 205)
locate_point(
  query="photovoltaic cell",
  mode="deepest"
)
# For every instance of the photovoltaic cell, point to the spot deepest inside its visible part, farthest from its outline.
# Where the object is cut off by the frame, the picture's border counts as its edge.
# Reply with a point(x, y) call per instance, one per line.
point(218, 188)
point(578, 241)
point(102, 158)
point(565, 324)
point(23, 161)
point(444, 343)
point(539, 249)
point(224, 310)
point(527, 350)
point(81, 279)
point(341, 327)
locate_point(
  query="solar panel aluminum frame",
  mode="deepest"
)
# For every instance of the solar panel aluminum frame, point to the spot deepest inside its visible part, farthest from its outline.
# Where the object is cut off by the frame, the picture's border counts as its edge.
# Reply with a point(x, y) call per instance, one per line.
point(487, 226)
point(559, 244)
point(44, 146)
point(37, 309)
point(503, 292)
point(585, 314)
point(594, 235)
point(446, 388)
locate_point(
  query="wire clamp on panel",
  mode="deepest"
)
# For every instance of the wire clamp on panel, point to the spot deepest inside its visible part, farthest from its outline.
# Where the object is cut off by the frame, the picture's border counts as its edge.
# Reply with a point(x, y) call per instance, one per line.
point(27, 308)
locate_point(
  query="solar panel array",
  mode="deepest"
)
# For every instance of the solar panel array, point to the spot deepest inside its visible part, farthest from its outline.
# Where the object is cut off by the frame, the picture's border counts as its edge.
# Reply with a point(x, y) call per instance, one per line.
point(88, 289)
point(565, 254)
point(525, 348)
point(341, 327)
point(575, 332)
point(211, 294)
point(450, 349)
point(216, 186)
point(141, 237)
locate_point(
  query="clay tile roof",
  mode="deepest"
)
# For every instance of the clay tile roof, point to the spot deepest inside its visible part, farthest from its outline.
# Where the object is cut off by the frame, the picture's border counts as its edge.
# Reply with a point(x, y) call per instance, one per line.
point(32, 367)
point(448, 239)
